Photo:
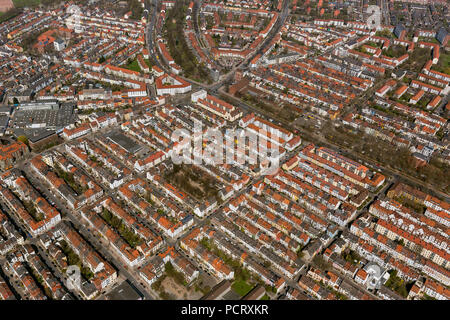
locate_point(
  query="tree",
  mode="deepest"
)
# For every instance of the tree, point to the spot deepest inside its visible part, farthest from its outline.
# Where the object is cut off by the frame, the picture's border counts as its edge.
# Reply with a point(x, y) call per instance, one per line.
point(136, 9)
point(23, 139)
point(397, 284)
point(320, 262)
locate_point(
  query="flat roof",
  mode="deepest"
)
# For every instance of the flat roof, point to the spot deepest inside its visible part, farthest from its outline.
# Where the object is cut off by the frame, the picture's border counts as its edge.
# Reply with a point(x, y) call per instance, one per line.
point(122, 140)
point(52, 118)
point(218, 290)
point(124, 291)
point(34, 135)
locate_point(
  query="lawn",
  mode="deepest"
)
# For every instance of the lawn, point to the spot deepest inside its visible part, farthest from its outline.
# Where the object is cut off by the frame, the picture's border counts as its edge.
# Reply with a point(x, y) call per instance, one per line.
point(384, 33)
point(428, 39)
point(417, 59)
point(265, 297)
point(395, 51)
point(147, 61)
point(194, 181)
point(133, 65)
point(241, 287)
point(26, 3)
point(443, 64)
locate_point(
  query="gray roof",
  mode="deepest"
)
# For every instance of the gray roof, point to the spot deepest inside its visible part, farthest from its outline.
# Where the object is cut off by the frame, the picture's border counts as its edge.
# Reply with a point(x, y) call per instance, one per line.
point(441, 35)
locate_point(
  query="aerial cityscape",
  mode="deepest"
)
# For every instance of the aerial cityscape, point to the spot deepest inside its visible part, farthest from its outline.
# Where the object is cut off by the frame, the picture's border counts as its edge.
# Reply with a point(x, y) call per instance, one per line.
point(224, 150)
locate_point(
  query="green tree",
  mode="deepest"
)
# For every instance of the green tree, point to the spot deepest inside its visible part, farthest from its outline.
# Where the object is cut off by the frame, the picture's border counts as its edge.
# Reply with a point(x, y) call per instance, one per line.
point(23, 139)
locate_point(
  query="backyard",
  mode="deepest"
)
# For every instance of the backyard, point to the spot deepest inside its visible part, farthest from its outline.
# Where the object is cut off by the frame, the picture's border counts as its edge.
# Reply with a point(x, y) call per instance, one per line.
point(443, 64)
point(178, 46)
point(133, 65)
point(193, 181)
point(241, 287)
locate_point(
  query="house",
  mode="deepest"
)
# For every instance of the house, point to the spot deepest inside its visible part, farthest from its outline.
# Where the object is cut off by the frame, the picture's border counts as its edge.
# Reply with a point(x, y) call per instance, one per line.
point(59, 44)
point(11, 153)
